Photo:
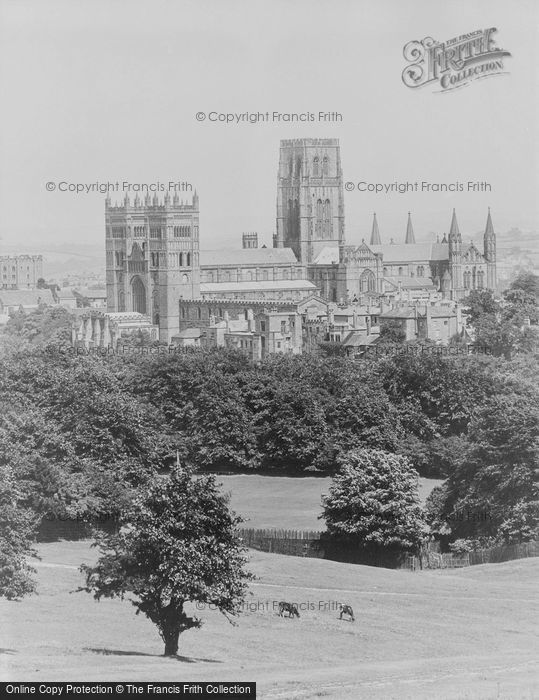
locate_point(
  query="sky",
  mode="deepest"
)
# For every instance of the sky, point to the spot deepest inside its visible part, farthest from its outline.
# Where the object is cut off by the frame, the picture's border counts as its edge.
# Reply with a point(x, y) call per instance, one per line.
point(96, 92)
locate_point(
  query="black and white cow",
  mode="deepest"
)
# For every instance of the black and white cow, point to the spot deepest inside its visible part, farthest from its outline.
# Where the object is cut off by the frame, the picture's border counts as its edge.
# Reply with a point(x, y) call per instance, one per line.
point(290, 608)
point(346, 610)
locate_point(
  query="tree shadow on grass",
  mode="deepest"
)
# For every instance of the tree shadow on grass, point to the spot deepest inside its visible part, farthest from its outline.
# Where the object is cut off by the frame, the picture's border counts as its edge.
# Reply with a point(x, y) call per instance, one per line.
point(120, 652)
point(8, 651)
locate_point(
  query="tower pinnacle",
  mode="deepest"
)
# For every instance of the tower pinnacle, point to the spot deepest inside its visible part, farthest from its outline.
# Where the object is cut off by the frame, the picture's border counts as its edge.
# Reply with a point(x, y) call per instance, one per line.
point(410, 238)
point(375, 234)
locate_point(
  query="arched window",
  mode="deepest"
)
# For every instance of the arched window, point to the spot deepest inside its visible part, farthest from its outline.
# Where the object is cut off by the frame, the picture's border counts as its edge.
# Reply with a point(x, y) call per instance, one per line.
point(325, 167)
point(367, 281)
point(420, 271)
point(181, 259)
point(319, 225)
point(316, 167)
point(400, 271)
point(138, 291)
point(188, 262)
point(327, 219)
point(199, 312)
point(385, 271)
point(298, 166)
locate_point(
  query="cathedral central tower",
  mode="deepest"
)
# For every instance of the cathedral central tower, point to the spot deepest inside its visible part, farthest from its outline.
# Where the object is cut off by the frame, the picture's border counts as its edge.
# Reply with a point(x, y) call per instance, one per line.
point(310, 201)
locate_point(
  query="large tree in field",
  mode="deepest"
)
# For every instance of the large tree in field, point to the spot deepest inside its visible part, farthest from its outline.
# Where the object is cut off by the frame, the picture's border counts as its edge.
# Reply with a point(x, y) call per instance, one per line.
point(17, 529)
point(177, 544)
point(374, 501)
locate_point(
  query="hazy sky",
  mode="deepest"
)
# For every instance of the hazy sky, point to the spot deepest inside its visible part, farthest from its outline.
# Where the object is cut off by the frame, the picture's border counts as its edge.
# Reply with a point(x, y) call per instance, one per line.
point(95, 91)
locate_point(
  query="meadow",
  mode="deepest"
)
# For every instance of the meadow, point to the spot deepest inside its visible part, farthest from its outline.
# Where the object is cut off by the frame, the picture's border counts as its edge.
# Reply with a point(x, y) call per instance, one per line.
point(469, 633)
point(285, 502)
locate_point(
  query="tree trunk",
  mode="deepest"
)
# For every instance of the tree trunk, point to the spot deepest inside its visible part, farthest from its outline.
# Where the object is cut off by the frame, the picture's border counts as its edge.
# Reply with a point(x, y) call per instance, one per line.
point(171, 626)
point(171, 641)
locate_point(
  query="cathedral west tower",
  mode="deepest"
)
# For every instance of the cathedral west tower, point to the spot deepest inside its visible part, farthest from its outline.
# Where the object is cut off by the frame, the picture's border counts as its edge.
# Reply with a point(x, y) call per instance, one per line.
point(152, 258)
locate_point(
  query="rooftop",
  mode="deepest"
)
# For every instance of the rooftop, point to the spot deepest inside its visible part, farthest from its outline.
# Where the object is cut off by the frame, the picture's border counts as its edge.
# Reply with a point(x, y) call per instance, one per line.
point(26, 297)
point(411, 252)
point(247, 256)
point(269, 285)
point(327, 256)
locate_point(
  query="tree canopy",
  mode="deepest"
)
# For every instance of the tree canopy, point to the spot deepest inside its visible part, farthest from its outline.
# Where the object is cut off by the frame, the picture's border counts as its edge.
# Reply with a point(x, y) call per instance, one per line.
point(177, 545)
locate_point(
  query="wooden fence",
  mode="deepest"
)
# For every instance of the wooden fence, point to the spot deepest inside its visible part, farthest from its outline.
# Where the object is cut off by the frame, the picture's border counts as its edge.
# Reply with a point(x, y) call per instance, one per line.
point(299, 543)
point(312, 543)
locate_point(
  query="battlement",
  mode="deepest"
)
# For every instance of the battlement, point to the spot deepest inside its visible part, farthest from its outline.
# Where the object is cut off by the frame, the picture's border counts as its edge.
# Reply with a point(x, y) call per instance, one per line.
point(25, 257)
point(287, 143)
point(153, 204)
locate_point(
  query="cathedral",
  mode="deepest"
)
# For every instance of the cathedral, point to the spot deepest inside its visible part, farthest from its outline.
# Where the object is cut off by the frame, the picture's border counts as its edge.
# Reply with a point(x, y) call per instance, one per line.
point(310, 221)
point(154, 263)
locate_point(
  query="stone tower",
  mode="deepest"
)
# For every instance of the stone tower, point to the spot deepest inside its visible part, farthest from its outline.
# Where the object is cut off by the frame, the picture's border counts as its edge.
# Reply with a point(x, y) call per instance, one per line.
point(310, 201)
point(249, 240)
point(489, 252)
point(152, 258)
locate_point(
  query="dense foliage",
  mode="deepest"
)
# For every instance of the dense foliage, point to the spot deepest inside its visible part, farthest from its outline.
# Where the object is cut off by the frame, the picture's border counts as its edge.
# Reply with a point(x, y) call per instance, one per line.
point(373, 500)
point(82, 434)
point(178, 544)
point(17, 527)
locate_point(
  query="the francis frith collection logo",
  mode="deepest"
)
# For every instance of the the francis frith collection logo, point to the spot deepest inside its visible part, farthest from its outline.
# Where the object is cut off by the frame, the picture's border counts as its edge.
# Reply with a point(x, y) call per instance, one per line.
point(455, 62)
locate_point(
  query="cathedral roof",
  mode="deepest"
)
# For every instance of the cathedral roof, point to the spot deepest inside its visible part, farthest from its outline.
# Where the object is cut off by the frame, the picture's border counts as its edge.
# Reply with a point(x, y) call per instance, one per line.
point(412, 252)
point(408, 282)
point(247, 256)
point(257, 285)
point(327, 256)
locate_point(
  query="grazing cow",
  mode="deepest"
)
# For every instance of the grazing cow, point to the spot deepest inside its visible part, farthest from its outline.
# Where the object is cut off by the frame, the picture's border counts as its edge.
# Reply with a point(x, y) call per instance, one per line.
point(346, 610)
point(290, 608)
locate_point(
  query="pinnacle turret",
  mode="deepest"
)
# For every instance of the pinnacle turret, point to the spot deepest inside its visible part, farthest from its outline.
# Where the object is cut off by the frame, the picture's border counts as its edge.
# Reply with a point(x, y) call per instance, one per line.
point(410, 238)
point(375, 233)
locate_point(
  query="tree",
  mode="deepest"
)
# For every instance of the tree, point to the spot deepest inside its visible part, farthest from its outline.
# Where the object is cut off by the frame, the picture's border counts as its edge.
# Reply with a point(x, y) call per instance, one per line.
point(177, 544)
point(374, 500)
point(17, 530)
point(479, 303)
point(503, 326)
point(527, 282)
point(392, 331)
point(493, 490)
point(44, 326)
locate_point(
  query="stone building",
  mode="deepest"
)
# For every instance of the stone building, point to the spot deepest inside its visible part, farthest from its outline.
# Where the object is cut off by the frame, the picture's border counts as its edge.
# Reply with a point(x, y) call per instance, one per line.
point(310, 200)
point(152, 258)
point(20, 271)
point(154, 262)
point(447, 266)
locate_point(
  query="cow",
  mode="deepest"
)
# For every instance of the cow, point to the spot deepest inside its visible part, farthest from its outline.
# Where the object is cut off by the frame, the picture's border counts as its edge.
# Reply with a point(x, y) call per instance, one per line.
point(346, 610)
point(290, 608)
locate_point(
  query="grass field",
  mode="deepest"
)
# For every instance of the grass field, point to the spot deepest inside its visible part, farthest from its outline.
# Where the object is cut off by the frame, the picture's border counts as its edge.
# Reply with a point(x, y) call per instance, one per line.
point(469, 633)
point(285, 502)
